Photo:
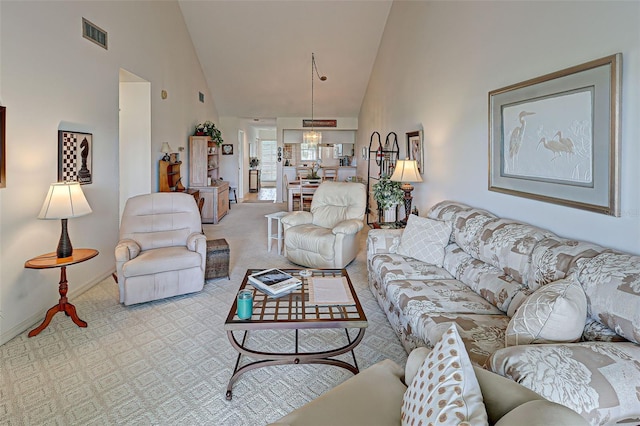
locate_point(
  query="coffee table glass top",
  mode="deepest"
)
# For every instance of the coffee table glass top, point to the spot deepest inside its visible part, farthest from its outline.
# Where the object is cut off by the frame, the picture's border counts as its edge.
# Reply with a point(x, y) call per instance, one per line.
point(293, 310)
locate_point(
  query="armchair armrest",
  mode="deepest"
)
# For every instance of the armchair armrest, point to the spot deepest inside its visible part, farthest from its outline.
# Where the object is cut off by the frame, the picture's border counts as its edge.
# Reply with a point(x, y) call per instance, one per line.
point(126, 249)
point(349, 227)
point(296, 218)
point(197, 242)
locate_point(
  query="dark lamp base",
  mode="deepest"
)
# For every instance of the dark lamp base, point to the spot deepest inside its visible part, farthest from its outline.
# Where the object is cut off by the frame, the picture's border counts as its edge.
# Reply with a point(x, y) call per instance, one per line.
point(407, 188)
point(65, 249)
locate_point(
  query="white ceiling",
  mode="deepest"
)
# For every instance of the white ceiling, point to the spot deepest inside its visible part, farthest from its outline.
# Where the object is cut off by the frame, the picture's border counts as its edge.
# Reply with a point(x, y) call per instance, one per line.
point(256, 55)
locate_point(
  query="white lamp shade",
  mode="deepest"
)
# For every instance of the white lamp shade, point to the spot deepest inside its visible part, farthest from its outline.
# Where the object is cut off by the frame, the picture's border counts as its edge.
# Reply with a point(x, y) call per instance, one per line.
point(406, 171)
point(166, 149)
point(64, 200)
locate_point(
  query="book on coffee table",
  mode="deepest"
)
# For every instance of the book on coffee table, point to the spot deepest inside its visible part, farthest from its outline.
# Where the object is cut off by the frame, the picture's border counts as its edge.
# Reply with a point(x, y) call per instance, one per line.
point(325, 291)
point(273, 281)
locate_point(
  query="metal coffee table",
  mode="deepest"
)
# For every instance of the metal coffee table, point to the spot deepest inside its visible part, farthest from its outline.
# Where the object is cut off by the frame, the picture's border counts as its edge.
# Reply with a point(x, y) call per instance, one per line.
point(294, 312)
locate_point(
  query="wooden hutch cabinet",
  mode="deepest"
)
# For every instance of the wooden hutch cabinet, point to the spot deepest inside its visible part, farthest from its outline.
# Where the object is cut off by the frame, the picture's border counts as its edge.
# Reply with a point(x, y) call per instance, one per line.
point(204, 164)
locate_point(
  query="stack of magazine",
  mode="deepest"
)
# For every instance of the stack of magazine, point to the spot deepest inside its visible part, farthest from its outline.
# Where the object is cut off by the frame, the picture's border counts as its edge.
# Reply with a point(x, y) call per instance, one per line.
point(274, 282)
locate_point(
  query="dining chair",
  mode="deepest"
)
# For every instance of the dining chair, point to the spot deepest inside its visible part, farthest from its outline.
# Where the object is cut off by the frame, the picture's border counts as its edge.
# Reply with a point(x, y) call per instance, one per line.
point(302, 172)
point(330, 173)
point(302, 193)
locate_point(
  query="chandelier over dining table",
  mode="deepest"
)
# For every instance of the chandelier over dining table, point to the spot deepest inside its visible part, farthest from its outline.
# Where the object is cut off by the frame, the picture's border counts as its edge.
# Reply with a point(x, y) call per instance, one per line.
point(313, 137)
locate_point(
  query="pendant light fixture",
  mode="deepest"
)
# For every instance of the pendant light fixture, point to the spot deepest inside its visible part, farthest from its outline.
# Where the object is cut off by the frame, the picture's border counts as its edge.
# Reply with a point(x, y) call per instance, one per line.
point(313, 137)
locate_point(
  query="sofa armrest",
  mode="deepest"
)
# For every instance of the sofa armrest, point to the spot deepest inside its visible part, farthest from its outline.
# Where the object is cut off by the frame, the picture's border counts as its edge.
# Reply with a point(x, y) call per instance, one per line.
point(381, 241)
point(502, 397)
point(126, 249)
point(349, 227)
point(542, 413)
point(296, 218)
point(371, 397)
point(414, 362)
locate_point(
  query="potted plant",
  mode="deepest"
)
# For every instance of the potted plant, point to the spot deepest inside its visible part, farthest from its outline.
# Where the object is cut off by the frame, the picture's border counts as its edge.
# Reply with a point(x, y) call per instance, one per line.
point(254, 162)
point(387, 194)
point(209, 129)
point(314, 171)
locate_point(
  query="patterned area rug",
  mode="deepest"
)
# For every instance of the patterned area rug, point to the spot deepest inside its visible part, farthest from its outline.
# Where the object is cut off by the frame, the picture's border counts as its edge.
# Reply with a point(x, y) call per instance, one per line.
point(168, 362)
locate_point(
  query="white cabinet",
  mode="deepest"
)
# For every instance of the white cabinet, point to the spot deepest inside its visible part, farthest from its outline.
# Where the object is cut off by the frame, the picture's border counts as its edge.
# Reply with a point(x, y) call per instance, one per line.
point(216, 202)
point(204, 160)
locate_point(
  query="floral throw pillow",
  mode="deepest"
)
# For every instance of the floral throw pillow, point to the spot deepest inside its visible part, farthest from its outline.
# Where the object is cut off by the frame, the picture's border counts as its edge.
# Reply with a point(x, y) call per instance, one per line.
point(425, 239)
point(445, 390)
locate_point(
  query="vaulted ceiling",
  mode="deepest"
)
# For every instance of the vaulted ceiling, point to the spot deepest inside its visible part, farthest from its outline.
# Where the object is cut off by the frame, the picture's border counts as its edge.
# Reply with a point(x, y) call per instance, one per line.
point(256, 55)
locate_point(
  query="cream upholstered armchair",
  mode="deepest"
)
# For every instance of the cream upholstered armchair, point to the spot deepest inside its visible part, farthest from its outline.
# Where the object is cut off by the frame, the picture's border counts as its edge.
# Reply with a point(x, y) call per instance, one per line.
point(162, 250)
point(325, 237)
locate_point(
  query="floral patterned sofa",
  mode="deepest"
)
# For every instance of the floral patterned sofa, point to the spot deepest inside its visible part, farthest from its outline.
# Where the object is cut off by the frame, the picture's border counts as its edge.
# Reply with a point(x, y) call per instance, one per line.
point(560, 316)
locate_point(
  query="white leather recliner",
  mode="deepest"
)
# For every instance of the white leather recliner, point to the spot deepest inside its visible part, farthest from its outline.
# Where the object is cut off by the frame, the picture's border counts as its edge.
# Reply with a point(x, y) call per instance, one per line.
point(325, 237)
point(162, 250)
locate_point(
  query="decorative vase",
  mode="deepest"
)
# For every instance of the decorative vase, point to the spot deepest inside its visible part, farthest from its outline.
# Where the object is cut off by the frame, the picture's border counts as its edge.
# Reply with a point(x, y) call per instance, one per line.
point(389, 214)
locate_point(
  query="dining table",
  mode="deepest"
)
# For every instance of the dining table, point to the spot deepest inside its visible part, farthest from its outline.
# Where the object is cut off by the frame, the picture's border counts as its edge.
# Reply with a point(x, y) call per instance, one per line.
point(306, 187)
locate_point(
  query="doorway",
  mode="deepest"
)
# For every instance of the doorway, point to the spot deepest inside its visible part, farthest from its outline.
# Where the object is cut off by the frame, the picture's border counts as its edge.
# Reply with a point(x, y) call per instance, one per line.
point(134, 150)
point(268, 162)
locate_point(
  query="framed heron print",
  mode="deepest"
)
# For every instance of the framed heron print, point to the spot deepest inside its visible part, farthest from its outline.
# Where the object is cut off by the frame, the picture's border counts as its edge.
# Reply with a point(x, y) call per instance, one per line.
point(555, 138)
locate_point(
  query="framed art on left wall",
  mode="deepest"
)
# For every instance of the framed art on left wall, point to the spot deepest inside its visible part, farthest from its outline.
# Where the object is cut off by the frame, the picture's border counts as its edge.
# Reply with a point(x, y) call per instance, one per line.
point(74, 157)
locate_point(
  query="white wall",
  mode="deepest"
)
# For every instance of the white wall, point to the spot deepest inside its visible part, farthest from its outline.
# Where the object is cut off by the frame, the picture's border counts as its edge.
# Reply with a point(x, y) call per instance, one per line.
point(51, 78)
point(438, 61)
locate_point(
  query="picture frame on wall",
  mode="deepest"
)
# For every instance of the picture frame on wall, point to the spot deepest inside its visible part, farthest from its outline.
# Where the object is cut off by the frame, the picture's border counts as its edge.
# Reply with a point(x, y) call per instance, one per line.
point(3, 151)
point(227, 149)
point(555, 138)
point(415, 149)
point(75, 157)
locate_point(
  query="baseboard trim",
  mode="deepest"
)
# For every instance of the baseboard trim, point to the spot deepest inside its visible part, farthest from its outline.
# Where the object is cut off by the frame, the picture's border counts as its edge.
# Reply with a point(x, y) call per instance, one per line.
point(35, 319)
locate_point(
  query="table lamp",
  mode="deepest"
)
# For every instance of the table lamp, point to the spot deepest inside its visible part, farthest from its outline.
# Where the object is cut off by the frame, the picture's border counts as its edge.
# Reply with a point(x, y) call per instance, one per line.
point(166, 150)
point(64, 200)
point(406, 171)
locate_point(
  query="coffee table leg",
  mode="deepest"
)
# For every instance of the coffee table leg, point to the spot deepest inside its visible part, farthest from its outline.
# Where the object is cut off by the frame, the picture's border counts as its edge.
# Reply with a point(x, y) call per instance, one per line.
point(322, 357)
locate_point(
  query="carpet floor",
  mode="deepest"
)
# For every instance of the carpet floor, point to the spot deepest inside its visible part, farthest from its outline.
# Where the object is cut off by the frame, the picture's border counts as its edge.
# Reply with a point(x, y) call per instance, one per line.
point(168, 362)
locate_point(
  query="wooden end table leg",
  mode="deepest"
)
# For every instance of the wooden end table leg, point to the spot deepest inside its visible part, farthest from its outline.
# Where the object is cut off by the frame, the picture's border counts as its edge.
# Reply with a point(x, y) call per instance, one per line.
point(62, 306)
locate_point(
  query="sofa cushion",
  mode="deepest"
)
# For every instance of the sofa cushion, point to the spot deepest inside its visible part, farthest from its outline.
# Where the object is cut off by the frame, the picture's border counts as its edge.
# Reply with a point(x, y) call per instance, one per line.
point(554, 258)
point(467, 226)
point(446, 211)
point(554, 313)
point(611, 282)
point(417, 297)
point(482, 334)
point(507, 245)
point(391, 267)
point(445, 389)
point(424, 239)
point(600, 381)
point(488, 281)
point(595, 331)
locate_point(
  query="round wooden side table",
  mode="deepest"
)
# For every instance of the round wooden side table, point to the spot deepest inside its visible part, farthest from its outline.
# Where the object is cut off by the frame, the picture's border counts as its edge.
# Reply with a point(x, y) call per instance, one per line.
point(50, 260)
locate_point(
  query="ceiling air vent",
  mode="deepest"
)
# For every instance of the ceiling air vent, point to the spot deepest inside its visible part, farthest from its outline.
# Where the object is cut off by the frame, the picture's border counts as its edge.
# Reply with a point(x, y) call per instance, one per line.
point(92, 32)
